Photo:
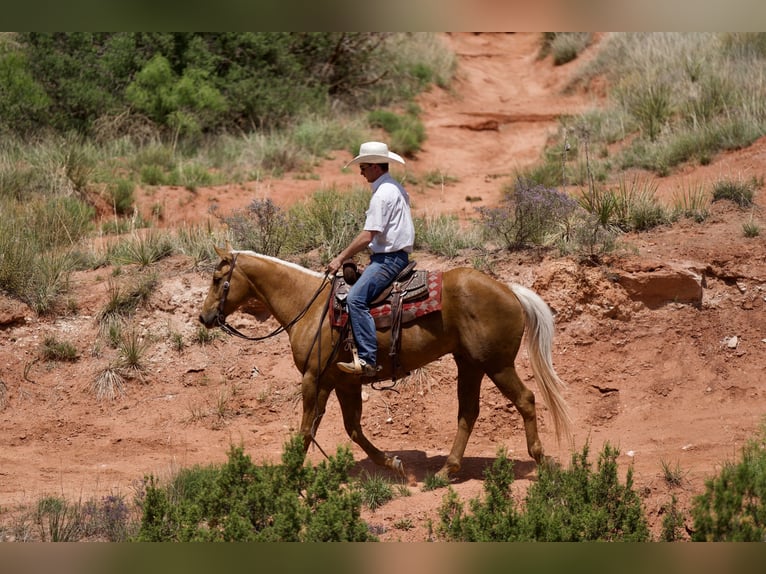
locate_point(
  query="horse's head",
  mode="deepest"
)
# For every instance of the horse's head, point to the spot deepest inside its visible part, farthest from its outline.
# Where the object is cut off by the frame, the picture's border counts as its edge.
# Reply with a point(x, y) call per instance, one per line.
point(228, 291)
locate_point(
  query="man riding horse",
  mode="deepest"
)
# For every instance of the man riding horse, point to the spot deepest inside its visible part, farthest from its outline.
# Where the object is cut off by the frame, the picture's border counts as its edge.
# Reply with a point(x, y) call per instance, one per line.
point(389, 233)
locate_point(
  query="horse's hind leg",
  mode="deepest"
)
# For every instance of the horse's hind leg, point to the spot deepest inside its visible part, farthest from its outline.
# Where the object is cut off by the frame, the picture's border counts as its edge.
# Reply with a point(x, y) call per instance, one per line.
point(469, 376)
point(509, 383)
point(350, 400)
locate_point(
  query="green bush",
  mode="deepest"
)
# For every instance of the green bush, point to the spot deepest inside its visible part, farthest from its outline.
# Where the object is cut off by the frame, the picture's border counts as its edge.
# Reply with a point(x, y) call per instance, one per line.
point(573, 505)
point(239, 501)
point(407, 133)
point(733, 506)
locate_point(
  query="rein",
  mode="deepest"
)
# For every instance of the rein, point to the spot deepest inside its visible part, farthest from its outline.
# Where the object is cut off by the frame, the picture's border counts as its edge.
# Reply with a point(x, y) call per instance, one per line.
point(228, 329)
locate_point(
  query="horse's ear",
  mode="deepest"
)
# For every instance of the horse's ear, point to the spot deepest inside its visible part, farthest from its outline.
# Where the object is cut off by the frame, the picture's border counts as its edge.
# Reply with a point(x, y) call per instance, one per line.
point(223, 253)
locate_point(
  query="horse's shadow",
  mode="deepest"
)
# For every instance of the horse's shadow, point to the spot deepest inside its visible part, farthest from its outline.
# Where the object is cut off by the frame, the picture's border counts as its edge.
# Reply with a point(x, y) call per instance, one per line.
point(418, 466)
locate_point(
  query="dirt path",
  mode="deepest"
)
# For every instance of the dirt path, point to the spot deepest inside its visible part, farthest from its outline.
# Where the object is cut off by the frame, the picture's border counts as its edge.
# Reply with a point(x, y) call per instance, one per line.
point(662, 384)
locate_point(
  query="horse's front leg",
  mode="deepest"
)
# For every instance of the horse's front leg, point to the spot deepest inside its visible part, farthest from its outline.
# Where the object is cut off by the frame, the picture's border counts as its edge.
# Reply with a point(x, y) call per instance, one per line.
point(314, 405)
point(350, 400)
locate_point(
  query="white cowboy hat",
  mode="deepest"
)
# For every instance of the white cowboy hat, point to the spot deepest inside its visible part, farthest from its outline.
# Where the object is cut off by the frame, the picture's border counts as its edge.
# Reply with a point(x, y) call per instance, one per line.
point(375, 152)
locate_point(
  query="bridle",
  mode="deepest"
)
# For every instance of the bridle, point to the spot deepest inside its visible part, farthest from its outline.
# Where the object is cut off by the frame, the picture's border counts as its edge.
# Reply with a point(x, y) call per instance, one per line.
point(226, 328)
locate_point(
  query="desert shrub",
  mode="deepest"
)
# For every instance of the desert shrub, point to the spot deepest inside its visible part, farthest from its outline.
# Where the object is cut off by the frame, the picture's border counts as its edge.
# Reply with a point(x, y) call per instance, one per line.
point(564, 505)
point(564, 46)
point(121, 195)
point(733, 506)
point(261, 227)
point(526, 215)
point(672, 522)
point(239, 501)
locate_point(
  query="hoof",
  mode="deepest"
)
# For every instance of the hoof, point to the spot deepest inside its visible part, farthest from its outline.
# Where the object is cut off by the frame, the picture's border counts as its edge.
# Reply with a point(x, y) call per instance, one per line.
point(396, 465)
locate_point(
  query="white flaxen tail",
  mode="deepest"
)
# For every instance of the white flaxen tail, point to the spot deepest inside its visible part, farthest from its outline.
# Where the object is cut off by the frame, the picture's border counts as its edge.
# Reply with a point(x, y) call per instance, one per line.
point(539, 320)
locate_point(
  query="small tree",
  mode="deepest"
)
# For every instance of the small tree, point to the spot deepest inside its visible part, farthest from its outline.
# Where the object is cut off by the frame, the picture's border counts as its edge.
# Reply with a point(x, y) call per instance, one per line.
point(733, 507)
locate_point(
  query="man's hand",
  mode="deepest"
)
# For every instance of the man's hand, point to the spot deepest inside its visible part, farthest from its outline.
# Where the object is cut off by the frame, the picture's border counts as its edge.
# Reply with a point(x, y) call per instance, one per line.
point(334, 265)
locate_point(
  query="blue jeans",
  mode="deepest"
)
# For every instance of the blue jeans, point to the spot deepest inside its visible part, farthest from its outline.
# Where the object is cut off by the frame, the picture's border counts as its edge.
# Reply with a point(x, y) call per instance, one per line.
point(379, 274)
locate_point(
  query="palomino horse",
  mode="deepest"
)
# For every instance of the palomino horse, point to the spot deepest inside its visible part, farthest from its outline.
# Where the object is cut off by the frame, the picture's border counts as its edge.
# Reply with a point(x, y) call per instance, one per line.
point(481, 322)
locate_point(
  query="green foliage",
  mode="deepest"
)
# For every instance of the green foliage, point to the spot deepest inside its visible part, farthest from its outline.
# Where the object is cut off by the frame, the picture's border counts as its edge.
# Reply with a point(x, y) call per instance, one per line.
point(573, 505)
point(751, 229)
point(733, 506)
point(407, 133)
point(434, 481)
point(191, 83)
point(672, 522)
point(239, 501)
point(23, 101)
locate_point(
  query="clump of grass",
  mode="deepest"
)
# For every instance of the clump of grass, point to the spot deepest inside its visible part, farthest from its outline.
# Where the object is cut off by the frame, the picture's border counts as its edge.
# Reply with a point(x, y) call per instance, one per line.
point(376, 491)
point(443, 235)
point(58, 520)
point(262, 227)
point(123, 300)
point(633, 206)
point(109, 384)
point(204, 336)
point(327, 221)
point(121, 196)
point(142, 249)
point(736, 191)
point(406, 131)
point(692, 202)
point(433, 481)
point(751, 229)
point(673, 475)
point(54, 349)
point(132, 351)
